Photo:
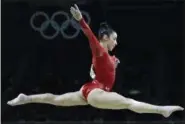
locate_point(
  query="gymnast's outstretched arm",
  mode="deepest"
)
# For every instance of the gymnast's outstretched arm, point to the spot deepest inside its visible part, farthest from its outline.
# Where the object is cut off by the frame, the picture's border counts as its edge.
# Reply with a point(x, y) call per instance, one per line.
point(97, 49)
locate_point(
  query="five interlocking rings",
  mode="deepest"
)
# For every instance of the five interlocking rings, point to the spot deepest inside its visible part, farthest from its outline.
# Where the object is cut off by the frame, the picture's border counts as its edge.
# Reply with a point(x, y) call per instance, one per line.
point(60, 27)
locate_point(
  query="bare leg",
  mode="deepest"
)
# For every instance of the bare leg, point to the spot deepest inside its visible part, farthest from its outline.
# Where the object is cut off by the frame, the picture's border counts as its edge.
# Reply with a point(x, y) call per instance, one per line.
point(111, 100)
point(68, 99)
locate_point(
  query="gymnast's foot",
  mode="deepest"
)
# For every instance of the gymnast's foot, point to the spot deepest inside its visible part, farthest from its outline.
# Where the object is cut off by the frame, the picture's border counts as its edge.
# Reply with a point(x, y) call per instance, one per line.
point(19, 100)
point(166, 111)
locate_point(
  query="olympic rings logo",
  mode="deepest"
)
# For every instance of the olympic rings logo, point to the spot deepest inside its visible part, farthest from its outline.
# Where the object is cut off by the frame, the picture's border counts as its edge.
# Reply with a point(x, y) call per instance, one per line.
point(59, 27)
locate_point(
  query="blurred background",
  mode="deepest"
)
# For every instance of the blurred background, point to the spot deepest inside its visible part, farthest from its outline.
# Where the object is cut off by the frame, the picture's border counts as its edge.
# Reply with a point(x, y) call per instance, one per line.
point(43, 50)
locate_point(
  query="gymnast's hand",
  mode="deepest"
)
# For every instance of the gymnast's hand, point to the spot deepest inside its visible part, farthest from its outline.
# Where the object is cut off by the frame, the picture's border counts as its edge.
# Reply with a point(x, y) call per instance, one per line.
point(76, 12)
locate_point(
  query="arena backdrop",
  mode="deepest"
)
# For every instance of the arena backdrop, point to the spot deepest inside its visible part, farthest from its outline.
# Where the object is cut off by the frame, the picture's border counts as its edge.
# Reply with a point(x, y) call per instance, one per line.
point(44, 50)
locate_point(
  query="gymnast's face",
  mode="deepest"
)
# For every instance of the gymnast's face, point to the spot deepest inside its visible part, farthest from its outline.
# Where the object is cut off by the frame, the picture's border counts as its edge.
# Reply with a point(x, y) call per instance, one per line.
point(112, 41)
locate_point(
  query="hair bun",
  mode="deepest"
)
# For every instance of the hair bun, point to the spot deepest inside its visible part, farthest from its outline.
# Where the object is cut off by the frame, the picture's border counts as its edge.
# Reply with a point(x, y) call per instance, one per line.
point(104, 25)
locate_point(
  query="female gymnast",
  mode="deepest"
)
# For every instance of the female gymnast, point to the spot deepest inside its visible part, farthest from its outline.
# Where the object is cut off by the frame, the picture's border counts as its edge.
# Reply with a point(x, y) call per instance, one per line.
point(97, 93)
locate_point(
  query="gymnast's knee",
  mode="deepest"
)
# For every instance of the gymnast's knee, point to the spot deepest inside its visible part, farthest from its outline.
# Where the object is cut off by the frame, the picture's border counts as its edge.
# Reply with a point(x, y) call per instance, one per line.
point(48, 96)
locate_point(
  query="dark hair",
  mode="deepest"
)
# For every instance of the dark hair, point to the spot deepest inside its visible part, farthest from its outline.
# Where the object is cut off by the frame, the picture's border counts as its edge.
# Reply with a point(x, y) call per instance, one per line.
point(104, 29)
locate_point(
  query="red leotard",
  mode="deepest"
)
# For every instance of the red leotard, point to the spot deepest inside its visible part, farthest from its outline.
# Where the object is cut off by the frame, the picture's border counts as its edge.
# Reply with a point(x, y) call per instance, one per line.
point(104, 64)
